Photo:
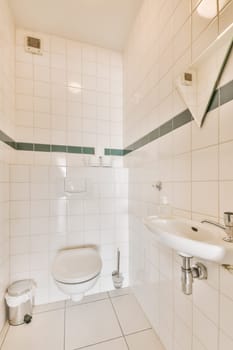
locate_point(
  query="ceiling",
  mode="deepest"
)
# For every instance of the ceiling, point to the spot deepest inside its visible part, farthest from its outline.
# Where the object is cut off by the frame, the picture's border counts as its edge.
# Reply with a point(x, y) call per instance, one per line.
point(100, 22)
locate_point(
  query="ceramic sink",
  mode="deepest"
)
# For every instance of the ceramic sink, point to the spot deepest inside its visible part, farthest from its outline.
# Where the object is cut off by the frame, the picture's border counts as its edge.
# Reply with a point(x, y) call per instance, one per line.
point(191, 238)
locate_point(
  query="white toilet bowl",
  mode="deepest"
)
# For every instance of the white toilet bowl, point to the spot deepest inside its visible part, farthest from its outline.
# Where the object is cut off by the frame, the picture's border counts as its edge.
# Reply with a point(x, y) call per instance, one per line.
point(76, 271)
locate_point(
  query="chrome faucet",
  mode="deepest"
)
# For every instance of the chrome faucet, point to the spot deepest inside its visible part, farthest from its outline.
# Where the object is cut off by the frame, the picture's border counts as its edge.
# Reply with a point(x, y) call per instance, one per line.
point(228, 227)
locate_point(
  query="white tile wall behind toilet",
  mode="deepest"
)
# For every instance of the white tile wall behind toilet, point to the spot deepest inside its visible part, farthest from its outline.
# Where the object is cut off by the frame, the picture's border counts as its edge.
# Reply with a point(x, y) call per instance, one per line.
point(71, 95)
point(195, 166)
point(7, 34)
point(44, 219)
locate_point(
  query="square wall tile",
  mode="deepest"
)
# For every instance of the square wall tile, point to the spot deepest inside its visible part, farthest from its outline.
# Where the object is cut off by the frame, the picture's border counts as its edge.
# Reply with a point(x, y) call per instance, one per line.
point(225, 122)
point(225, 197)
point(205, 330)
point(225, 161)
point(205, 164)
point(206, 299)
point(226, 343)
point(226, 309)
point(205, 198)
point(208, 134)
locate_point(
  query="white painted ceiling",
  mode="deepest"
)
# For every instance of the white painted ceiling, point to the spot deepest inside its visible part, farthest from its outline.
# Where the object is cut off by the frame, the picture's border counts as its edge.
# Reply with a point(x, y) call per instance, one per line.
point(100, 22)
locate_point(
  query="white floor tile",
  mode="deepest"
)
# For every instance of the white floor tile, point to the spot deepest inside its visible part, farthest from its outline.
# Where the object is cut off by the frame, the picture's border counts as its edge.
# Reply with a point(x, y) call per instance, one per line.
point(144, 340)
point(45, 332)
point(88, 324)
point(130, 314)
point(117, 344)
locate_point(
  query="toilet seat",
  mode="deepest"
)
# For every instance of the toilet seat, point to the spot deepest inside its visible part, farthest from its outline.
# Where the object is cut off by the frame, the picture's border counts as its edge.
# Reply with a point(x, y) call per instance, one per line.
point(75, 266)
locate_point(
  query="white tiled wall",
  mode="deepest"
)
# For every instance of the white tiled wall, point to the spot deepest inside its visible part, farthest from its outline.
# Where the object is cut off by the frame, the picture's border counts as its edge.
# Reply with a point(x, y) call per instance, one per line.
point(71, 94)
point(194, 165)
point(45, 219)
point(7, 33)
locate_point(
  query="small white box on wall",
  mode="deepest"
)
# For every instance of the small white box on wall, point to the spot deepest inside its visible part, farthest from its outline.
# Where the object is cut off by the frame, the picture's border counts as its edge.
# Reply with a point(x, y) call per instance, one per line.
point(33, 45)
point(75, 185)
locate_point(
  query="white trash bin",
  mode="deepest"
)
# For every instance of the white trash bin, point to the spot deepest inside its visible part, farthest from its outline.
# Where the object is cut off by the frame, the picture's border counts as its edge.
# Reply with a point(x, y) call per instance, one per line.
point(20, 300)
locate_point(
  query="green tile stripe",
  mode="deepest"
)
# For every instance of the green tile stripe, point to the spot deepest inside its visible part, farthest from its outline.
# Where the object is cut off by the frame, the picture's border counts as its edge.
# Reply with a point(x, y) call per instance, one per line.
point(172, 124)
point(220, 96)
point(88, 150)
point(214, 99)
point(41, 147)
point(24, 146)
point(113, 152)
point(7, 140)
point(58, 148)
point(226, 93)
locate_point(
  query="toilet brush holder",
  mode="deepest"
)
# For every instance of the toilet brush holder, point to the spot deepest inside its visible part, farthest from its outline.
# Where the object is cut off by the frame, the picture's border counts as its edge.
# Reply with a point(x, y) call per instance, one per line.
point(117, 277)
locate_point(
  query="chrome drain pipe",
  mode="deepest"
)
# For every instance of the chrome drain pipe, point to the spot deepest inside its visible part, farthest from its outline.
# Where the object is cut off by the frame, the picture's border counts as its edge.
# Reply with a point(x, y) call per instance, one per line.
point(188, 273)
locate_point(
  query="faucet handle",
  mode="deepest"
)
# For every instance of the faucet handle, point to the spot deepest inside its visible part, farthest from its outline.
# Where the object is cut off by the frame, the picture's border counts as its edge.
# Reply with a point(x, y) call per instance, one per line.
point(228, 219)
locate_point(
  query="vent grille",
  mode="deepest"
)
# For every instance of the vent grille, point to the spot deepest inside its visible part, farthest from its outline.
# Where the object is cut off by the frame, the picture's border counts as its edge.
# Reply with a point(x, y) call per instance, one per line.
point(188, 77)
point(33, 45)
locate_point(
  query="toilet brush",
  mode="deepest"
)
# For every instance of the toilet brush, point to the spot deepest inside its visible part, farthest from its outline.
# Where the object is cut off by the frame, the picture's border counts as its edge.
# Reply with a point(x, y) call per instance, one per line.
point(117, 277)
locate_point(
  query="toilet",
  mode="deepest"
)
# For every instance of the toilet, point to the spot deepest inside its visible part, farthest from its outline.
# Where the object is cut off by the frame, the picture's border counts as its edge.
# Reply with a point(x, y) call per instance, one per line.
point(76, 271)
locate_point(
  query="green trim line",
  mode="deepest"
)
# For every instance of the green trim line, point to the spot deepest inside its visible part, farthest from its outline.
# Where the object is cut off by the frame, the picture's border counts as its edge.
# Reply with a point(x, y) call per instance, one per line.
point(113, 152)
point(164, 129)
point(215, 88)
point(74, 149)
point(7, 140)
point(58, 148)
point(220, 96)
point(24, 146)
point(88, 150)
point(226, 93)
point(40, 147)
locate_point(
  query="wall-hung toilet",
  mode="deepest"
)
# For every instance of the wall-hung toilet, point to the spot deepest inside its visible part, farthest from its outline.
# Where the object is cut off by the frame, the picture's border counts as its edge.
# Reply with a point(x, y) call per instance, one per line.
point(76, 271)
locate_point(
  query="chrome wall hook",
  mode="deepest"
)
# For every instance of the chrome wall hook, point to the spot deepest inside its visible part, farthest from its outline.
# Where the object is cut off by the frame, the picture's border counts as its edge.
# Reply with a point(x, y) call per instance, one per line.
point(158, 185)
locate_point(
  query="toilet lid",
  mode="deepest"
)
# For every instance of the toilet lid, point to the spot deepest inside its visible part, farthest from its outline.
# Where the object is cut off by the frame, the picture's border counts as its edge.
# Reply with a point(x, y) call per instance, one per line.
point(76, 265)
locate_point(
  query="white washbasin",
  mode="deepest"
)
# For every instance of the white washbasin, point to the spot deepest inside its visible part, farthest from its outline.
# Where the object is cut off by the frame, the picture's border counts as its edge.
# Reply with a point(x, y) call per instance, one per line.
point(192, 238)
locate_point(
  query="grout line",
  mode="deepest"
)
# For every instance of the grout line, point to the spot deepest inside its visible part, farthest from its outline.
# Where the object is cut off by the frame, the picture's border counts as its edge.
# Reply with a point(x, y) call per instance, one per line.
point(69, 306)
point(204, 314)
point(141, 331)
point(120, 295)
point(93, 301)
point(5, 335)
point(102, 342)
point(46, 311)
point(114, 310)
point(87, 302)
point(64, 329)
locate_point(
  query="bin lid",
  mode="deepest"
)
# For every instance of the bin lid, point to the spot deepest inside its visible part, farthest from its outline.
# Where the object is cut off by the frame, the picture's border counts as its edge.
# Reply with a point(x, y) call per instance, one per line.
point(20, 287)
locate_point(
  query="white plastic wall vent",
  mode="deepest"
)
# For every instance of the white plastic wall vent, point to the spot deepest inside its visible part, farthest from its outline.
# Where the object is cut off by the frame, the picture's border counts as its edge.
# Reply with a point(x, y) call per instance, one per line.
point(33, 45)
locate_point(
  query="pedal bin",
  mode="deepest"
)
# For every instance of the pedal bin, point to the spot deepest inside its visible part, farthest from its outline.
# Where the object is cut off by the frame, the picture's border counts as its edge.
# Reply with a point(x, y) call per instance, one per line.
point(20, 300)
